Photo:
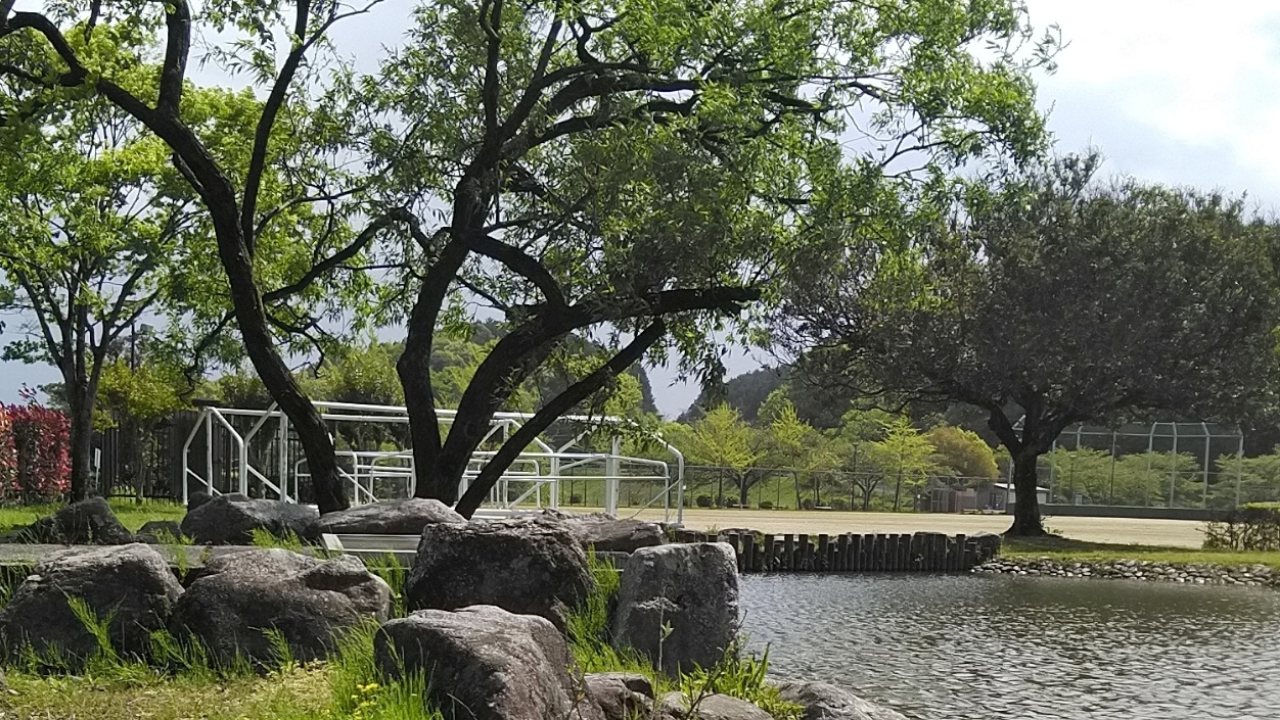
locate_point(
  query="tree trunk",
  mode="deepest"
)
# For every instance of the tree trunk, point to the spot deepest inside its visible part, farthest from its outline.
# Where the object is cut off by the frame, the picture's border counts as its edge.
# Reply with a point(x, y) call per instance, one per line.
point(81, 442)
point(1026, 511)
point(744, 490)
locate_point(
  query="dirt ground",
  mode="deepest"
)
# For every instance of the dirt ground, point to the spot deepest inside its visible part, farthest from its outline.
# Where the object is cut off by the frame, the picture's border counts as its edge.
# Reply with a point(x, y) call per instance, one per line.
point(1172, 533)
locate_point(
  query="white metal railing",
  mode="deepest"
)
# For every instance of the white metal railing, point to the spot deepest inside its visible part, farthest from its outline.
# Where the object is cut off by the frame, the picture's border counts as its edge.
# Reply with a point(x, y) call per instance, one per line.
point(264, 459)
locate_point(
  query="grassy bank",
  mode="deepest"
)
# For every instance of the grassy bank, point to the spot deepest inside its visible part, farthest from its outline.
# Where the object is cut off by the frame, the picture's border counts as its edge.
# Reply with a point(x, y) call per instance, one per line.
point(132, 513)
point(1066, 550)
point(349, 686)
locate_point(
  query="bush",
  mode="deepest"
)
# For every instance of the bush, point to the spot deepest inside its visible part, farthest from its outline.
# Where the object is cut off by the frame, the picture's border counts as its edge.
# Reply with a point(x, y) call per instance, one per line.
point(840, 504)
point(575, 499)
point(703, 501)
point(806, 504)
point(35, 459)
point(1250, 528)
point(766, 504)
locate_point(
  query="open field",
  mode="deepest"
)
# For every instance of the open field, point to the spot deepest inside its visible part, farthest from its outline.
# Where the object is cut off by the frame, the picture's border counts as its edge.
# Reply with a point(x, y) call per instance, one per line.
point(1122, 531)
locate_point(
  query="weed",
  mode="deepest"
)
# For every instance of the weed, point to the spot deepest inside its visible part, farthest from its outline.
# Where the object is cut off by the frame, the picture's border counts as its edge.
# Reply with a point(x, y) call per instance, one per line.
point(288, 540)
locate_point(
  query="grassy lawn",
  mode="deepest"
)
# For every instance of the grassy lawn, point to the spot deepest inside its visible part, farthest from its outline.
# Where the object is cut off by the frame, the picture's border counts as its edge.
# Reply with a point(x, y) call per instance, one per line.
point(296, 693)
point(131, 512)
point(1066, 550)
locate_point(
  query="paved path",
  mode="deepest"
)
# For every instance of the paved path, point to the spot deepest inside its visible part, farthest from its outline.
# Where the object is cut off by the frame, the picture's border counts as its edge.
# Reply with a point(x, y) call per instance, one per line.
point(1173, 533)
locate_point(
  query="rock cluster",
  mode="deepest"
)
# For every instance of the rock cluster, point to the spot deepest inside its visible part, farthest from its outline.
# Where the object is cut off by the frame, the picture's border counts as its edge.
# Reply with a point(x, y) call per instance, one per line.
point(1195, 574)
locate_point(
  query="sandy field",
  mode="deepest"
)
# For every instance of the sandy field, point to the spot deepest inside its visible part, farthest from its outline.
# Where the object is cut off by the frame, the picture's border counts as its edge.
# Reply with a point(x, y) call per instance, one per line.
point(1173, 533)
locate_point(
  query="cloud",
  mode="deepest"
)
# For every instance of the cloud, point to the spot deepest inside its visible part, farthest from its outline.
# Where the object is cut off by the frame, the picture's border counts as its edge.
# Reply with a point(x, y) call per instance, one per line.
point(1177, 91)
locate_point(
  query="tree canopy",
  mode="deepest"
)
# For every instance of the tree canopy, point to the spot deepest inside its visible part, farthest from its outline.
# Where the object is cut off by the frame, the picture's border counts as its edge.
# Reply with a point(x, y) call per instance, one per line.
point(1055, 298)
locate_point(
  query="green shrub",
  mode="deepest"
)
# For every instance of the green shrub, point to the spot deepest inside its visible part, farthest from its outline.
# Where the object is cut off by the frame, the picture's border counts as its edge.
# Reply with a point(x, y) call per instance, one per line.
point(1246, 529)
point(766, 504)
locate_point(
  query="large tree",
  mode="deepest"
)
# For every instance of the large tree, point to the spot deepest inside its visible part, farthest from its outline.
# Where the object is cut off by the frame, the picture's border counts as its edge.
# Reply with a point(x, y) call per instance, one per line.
point(636, 169)
point(280, 190)
point(1050, 299)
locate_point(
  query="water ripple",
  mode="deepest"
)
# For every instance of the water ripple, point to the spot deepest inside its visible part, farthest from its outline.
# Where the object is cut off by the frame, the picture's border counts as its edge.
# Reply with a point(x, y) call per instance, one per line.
point(987, 647)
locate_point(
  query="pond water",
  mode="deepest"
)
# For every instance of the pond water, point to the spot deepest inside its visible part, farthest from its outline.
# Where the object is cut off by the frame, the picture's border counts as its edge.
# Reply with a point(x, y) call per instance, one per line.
point(1018, 648)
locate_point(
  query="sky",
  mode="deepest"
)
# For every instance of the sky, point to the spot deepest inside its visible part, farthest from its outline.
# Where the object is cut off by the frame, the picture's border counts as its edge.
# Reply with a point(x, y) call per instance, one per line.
point(1183, 92)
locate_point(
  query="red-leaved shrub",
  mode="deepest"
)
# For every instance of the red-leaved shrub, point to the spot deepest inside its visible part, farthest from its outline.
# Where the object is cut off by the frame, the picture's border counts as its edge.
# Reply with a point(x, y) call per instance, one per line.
point(35, 458)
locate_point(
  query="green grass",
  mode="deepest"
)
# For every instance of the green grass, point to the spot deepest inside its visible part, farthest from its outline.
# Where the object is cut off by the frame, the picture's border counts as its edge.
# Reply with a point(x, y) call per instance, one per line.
point(132, 513)
point(180, 683)
point(1066, 550)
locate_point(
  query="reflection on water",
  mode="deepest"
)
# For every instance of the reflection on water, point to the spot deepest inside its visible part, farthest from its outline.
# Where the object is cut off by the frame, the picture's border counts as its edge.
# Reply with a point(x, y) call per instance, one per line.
point(987, 647)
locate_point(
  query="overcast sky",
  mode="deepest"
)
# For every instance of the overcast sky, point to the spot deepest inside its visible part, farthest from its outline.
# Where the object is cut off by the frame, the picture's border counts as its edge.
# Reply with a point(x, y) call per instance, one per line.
point(1183, 92)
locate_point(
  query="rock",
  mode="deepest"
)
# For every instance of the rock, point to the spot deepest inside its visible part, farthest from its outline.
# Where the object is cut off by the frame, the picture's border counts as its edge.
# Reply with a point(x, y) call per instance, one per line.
point(621, 696)
point(224, 521)
point(310, 602)
point(694, 589)
point(131, 586)
point(607, 533)
point(824, 701)
point(988, 545)
point(711, 707)
point(159, 531)
point(484, 663)
point(200, 497)
point(88, 522)
point(392, 517)
point(529, 567)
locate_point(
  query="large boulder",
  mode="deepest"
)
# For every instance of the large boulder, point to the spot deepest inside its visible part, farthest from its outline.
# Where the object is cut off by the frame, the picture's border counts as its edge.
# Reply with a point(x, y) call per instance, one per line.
point(710, 707)
point(484, 663)
point(226, 521)
point(88, 522)
point(529, 567)
point(824, 701)
point(130, 587)
point(620, 696)
point(392, 517)
point(245, 597)
point(608, 534)
point(693, 588)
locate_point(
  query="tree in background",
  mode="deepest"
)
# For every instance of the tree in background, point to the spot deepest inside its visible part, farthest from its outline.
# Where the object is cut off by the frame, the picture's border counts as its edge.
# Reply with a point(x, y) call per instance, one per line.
point(904, 456)
point(794, 444)
point(963, 453)
point(1061, 297)
point(720, 438)
point(96, 224)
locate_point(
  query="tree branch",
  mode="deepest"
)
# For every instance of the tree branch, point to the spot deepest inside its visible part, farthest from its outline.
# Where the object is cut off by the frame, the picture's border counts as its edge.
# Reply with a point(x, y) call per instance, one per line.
point(551, 411)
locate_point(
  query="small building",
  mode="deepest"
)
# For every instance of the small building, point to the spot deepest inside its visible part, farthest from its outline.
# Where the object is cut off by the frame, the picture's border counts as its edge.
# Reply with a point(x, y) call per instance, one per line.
point(1002, 496)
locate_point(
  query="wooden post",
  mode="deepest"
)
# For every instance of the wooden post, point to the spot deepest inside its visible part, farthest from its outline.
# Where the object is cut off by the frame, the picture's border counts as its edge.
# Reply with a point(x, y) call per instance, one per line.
point(788, 551)
point(970, 555)
point(770, 554)
point(855, 553)
point(939, 552)
point(916, 563)
point(961, 542)
point(842, 552)
point(824, 547)
point(749, 553)
point(802, 559)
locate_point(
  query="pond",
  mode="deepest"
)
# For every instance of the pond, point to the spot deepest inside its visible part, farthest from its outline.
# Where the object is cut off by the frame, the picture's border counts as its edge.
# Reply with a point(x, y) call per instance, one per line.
point(980, 647)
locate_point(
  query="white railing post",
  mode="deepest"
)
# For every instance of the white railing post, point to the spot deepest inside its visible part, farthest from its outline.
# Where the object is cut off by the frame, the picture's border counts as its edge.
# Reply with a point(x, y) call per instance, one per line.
point(612, 470)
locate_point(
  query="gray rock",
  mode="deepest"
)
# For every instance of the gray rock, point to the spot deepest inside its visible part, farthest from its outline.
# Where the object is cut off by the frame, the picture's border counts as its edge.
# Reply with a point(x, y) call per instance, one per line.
point(621, 696)
point(528, 567)
point(224, 521)
point(200, 497)
point(484, 663)
point(607, 533)
point(130, 586)
point(710, 707)
point(244, 596)
point(88, 522)
point(988, 545)
point(392, 517)
point(823, 701)
point(694, 589)
point(159, 531)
